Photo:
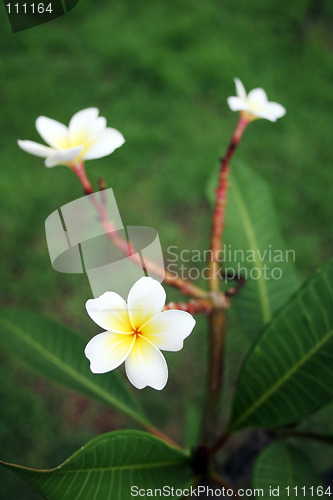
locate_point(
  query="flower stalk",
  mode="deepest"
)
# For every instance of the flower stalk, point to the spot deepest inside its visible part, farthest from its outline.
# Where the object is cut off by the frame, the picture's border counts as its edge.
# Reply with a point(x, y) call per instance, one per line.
point(80, 171)
point(217, 317)
point(185, 286)
point(221, 203)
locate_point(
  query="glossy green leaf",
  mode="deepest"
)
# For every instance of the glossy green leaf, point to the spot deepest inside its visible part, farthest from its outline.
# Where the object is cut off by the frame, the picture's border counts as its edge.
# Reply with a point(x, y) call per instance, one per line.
point(252, 244)
point(288, 373)
point(109, 465)
point(57, 352)
point(320, 449)
point(286, 468)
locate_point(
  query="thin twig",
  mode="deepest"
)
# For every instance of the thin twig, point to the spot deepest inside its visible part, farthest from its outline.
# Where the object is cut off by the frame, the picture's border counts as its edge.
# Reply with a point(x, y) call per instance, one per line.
point(160, 434)
point(194, 306)
point(221, 203)
point(217, 318)
point(186, 287)
point(217, 445)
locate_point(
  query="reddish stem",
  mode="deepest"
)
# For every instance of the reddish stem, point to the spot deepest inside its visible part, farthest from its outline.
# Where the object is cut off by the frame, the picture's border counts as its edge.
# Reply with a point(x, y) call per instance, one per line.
point(169, 278)
point(195, 306)
point(217, 318)
point(81, 173)
point(220, 205)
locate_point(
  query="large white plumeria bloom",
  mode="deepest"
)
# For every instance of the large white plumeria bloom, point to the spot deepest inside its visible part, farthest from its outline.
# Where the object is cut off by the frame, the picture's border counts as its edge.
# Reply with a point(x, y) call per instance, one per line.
point(255, 104)
point(135, 333)
point(87, 137)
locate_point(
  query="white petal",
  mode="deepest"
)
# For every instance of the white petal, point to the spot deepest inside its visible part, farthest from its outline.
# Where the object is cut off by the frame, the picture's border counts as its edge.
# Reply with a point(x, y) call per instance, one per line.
point(99, 125)
point(146, 365)
point(257, 96)
point(108, 141)
point(236, 104)
point(35, 149)
point(53, 132)
point(83, 120)
point(106, 351)
point(63, 156)
point(240, 90)
point(263, 112)
point(167, 330)
point(276, 110)
point(109, 311)
point(145, 299)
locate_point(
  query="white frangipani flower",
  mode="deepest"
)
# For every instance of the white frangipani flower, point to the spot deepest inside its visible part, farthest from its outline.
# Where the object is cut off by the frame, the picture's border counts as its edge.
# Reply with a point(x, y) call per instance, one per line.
point(255, 104)
point(135, 333)
point(87, 137)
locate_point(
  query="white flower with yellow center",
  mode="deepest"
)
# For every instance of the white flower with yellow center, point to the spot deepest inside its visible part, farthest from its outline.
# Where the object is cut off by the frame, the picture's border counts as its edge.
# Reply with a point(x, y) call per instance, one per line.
point(135, 333)
point(87, 137)
point(255, 104)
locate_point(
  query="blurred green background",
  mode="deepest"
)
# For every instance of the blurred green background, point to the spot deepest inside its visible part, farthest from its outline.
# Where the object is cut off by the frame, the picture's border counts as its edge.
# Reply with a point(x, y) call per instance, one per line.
point(160, 72)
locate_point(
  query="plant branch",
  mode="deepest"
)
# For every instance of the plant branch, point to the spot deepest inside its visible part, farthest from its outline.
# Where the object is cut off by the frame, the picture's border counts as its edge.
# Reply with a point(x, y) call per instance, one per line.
point(308, 435)
point(221, 203)
point(217, 445)
point(194, 306)
point(216, 329)
point(160, 434)
point(185, 286)
point(217, 318)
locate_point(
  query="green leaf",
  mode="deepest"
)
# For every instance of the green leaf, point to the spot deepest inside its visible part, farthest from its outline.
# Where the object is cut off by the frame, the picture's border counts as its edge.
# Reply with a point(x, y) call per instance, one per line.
point(281, 466)
point(252, 244)
point(57, 352)
point(320, 425)
point(288, 373)
point(109, 465)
